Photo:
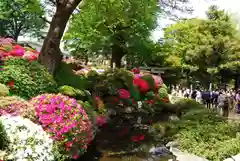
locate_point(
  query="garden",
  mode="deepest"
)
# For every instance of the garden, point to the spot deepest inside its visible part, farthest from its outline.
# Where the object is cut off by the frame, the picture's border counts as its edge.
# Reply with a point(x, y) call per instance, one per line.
point(116, 115)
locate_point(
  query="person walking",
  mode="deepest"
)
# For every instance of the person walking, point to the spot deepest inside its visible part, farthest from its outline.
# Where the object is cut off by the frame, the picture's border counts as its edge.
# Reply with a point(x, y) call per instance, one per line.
point(198, 96)
point(223, 104)
point(238, 101)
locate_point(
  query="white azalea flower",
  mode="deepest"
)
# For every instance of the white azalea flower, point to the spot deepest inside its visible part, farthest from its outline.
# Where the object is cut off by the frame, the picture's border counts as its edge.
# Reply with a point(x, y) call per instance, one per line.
point(28, 141)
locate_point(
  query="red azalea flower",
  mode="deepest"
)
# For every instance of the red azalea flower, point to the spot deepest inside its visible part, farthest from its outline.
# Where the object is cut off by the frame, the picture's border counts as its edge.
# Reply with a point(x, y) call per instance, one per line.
point(166, 100)
point(11, 84)
point(137, 138)
point(18, 47)
point(115, 100)
point(141, 84)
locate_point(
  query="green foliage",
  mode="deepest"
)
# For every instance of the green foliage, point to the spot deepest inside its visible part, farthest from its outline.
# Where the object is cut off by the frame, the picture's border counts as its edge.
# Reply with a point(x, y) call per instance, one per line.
point(121, 26)
point(76, 93)
point(163, 93)
point(114, 79)
point(3, 137)
point(204, 133)
point(4, 90)
point(29, 78)
point(26, 16)
point(67, 90)
point(66, 76)
point(164, 86)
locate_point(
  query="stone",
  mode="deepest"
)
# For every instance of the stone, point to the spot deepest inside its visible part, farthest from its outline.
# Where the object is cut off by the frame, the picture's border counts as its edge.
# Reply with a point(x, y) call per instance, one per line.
point(159, 151)
point(234, 158)
point(173, 118)
point(184, 156)
point(172, 144)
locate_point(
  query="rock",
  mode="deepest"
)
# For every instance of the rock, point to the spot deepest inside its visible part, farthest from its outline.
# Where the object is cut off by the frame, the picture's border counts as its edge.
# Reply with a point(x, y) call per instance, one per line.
point(173, 118)
point(234, 158)
point(128, 110)
point(183, 156)
point(159, 151)
point(172, 144)
point(111, 112)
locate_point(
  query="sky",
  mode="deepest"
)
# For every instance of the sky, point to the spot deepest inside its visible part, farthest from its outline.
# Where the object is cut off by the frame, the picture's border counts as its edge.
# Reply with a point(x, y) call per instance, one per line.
point(200, 7)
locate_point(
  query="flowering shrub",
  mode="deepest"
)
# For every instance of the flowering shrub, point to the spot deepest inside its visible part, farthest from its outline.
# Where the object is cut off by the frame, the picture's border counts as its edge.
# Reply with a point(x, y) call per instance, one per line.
point(27, 141)
point(26, 79)
point(9, 48)
point(17, 106)
point(66, 121)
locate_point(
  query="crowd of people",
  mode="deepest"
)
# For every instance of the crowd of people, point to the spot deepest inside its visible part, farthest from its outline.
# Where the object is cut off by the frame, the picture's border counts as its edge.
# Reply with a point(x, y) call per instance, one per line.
point(221, 100)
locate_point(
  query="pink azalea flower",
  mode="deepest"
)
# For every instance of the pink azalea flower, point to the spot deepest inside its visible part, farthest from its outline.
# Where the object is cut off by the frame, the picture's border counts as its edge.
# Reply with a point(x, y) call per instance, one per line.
point(123, 94)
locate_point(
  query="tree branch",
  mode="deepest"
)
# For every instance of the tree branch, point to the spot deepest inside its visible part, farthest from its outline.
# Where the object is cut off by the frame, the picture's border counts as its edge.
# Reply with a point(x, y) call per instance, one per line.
point(45, 19)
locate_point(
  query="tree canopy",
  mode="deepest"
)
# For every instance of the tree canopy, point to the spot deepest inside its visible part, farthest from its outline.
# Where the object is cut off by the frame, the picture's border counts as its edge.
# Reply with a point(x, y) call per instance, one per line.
point(18, 17)
point(211, 46)
point(116, 27)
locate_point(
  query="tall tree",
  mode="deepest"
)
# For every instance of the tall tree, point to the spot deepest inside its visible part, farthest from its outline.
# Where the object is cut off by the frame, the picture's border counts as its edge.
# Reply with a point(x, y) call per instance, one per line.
point(50, 54)
point(18, 17)
point(118, 25)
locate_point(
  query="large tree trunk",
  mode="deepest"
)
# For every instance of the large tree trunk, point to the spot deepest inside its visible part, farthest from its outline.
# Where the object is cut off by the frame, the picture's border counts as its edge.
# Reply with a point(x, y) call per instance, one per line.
point(50, 55)
point(117, 54)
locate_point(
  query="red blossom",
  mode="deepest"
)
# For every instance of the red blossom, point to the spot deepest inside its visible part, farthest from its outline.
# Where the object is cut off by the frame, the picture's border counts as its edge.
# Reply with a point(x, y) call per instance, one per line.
point(141, 84)
point(166, 100)
point(138, 137)
point(11, 84)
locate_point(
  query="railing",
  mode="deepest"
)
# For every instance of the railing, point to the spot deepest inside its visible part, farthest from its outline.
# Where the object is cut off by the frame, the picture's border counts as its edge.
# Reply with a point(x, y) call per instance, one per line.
point(153, 70)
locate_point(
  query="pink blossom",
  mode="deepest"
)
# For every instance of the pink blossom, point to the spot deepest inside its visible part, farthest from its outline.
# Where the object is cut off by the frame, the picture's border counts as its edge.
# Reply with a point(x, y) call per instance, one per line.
point(101, 120)
point(62, 117)
point(123, 94)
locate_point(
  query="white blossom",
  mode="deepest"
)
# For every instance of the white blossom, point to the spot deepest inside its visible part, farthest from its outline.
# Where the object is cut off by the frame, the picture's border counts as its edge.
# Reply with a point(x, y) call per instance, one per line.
point(27, 141)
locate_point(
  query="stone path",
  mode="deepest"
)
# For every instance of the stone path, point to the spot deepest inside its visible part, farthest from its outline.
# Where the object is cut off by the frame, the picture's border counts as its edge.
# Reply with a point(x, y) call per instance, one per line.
point(234, 116)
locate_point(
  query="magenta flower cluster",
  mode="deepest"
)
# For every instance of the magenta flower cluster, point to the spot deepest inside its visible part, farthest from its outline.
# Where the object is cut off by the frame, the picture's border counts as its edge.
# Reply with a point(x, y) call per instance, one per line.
point(66, 121)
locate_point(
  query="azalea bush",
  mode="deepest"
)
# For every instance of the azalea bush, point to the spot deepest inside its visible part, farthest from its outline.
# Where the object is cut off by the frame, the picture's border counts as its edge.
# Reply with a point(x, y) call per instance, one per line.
point(9, 48)
point(66, 121)
point(17, 106)
point(27, 141)
point(120, 88)
point(26, 79)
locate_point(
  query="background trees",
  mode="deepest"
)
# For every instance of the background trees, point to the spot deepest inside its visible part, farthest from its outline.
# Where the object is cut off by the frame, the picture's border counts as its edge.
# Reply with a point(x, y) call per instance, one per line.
point(211, 46)
point(18, 17)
